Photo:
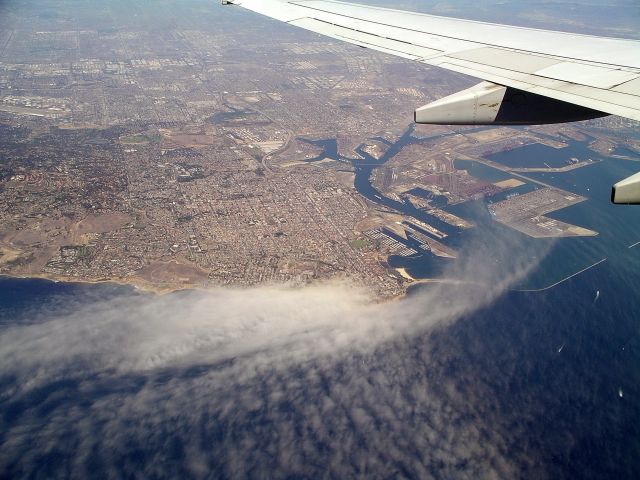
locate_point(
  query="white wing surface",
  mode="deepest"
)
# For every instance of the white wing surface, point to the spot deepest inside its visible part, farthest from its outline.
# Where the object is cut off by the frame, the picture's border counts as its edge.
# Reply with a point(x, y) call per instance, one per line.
point(596, 73)
point(531, 76)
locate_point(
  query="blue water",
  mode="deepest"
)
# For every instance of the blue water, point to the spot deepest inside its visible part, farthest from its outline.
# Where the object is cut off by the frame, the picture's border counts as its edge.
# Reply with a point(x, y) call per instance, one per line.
point(482, 171)
point(557, 363)
point(549, 380)
point(540, 156)
point(18, 297)
point(556, 372)
point(618, 226)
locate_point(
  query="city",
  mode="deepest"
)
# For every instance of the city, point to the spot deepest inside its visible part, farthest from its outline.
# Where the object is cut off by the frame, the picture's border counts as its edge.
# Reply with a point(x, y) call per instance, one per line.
point(190, 159)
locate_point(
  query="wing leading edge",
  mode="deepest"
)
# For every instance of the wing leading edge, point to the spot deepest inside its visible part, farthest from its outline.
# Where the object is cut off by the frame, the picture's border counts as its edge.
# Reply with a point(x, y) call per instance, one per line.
point(596, 73)
point(532, 76)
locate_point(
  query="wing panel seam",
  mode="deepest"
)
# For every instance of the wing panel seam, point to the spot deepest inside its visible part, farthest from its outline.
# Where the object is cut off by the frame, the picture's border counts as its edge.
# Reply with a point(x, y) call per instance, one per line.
point(448, 37)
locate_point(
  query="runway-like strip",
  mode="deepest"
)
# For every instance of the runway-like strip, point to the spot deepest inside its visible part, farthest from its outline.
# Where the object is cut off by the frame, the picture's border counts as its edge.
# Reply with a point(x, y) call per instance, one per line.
point(566, 278)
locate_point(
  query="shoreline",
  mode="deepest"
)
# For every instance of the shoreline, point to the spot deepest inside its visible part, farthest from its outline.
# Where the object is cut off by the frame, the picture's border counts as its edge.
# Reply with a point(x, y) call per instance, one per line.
point(148, 288)
point(140, 286)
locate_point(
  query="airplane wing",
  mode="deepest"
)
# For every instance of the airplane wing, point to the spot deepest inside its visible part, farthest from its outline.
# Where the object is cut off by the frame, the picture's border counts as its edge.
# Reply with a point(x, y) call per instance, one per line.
point(531, 76)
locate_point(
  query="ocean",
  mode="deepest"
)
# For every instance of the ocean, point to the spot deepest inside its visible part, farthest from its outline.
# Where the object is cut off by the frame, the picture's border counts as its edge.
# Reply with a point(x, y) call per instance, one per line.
point(550, 378)
point(102, 380)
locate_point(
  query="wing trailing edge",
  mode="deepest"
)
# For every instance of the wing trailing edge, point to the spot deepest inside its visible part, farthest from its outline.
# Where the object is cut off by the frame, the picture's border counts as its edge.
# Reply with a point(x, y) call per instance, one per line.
point(531, 76)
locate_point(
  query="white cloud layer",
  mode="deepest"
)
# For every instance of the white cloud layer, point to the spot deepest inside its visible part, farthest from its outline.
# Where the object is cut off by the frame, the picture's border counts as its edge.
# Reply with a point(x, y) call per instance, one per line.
point(251, 382)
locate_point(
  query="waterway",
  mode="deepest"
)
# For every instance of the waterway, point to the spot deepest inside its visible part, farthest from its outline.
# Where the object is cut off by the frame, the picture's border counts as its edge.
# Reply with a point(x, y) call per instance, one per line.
point(538, 155)
point(618, 226)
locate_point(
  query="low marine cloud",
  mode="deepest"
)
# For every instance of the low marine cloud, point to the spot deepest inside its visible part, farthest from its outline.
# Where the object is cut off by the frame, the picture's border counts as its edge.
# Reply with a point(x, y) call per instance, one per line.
point(247, 382)
point(276, 323)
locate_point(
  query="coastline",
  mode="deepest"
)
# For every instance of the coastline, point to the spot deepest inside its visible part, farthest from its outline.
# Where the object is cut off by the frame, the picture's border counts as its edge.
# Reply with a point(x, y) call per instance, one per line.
point(149, 288)
point(137, 284)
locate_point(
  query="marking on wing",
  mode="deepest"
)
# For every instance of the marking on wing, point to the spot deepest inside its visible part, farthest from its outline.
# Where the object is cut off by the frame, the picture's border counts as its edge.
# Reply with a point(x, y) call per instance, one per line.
point(404, 48)
point(508, 59)
point(589, 75)
point(632, 87)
